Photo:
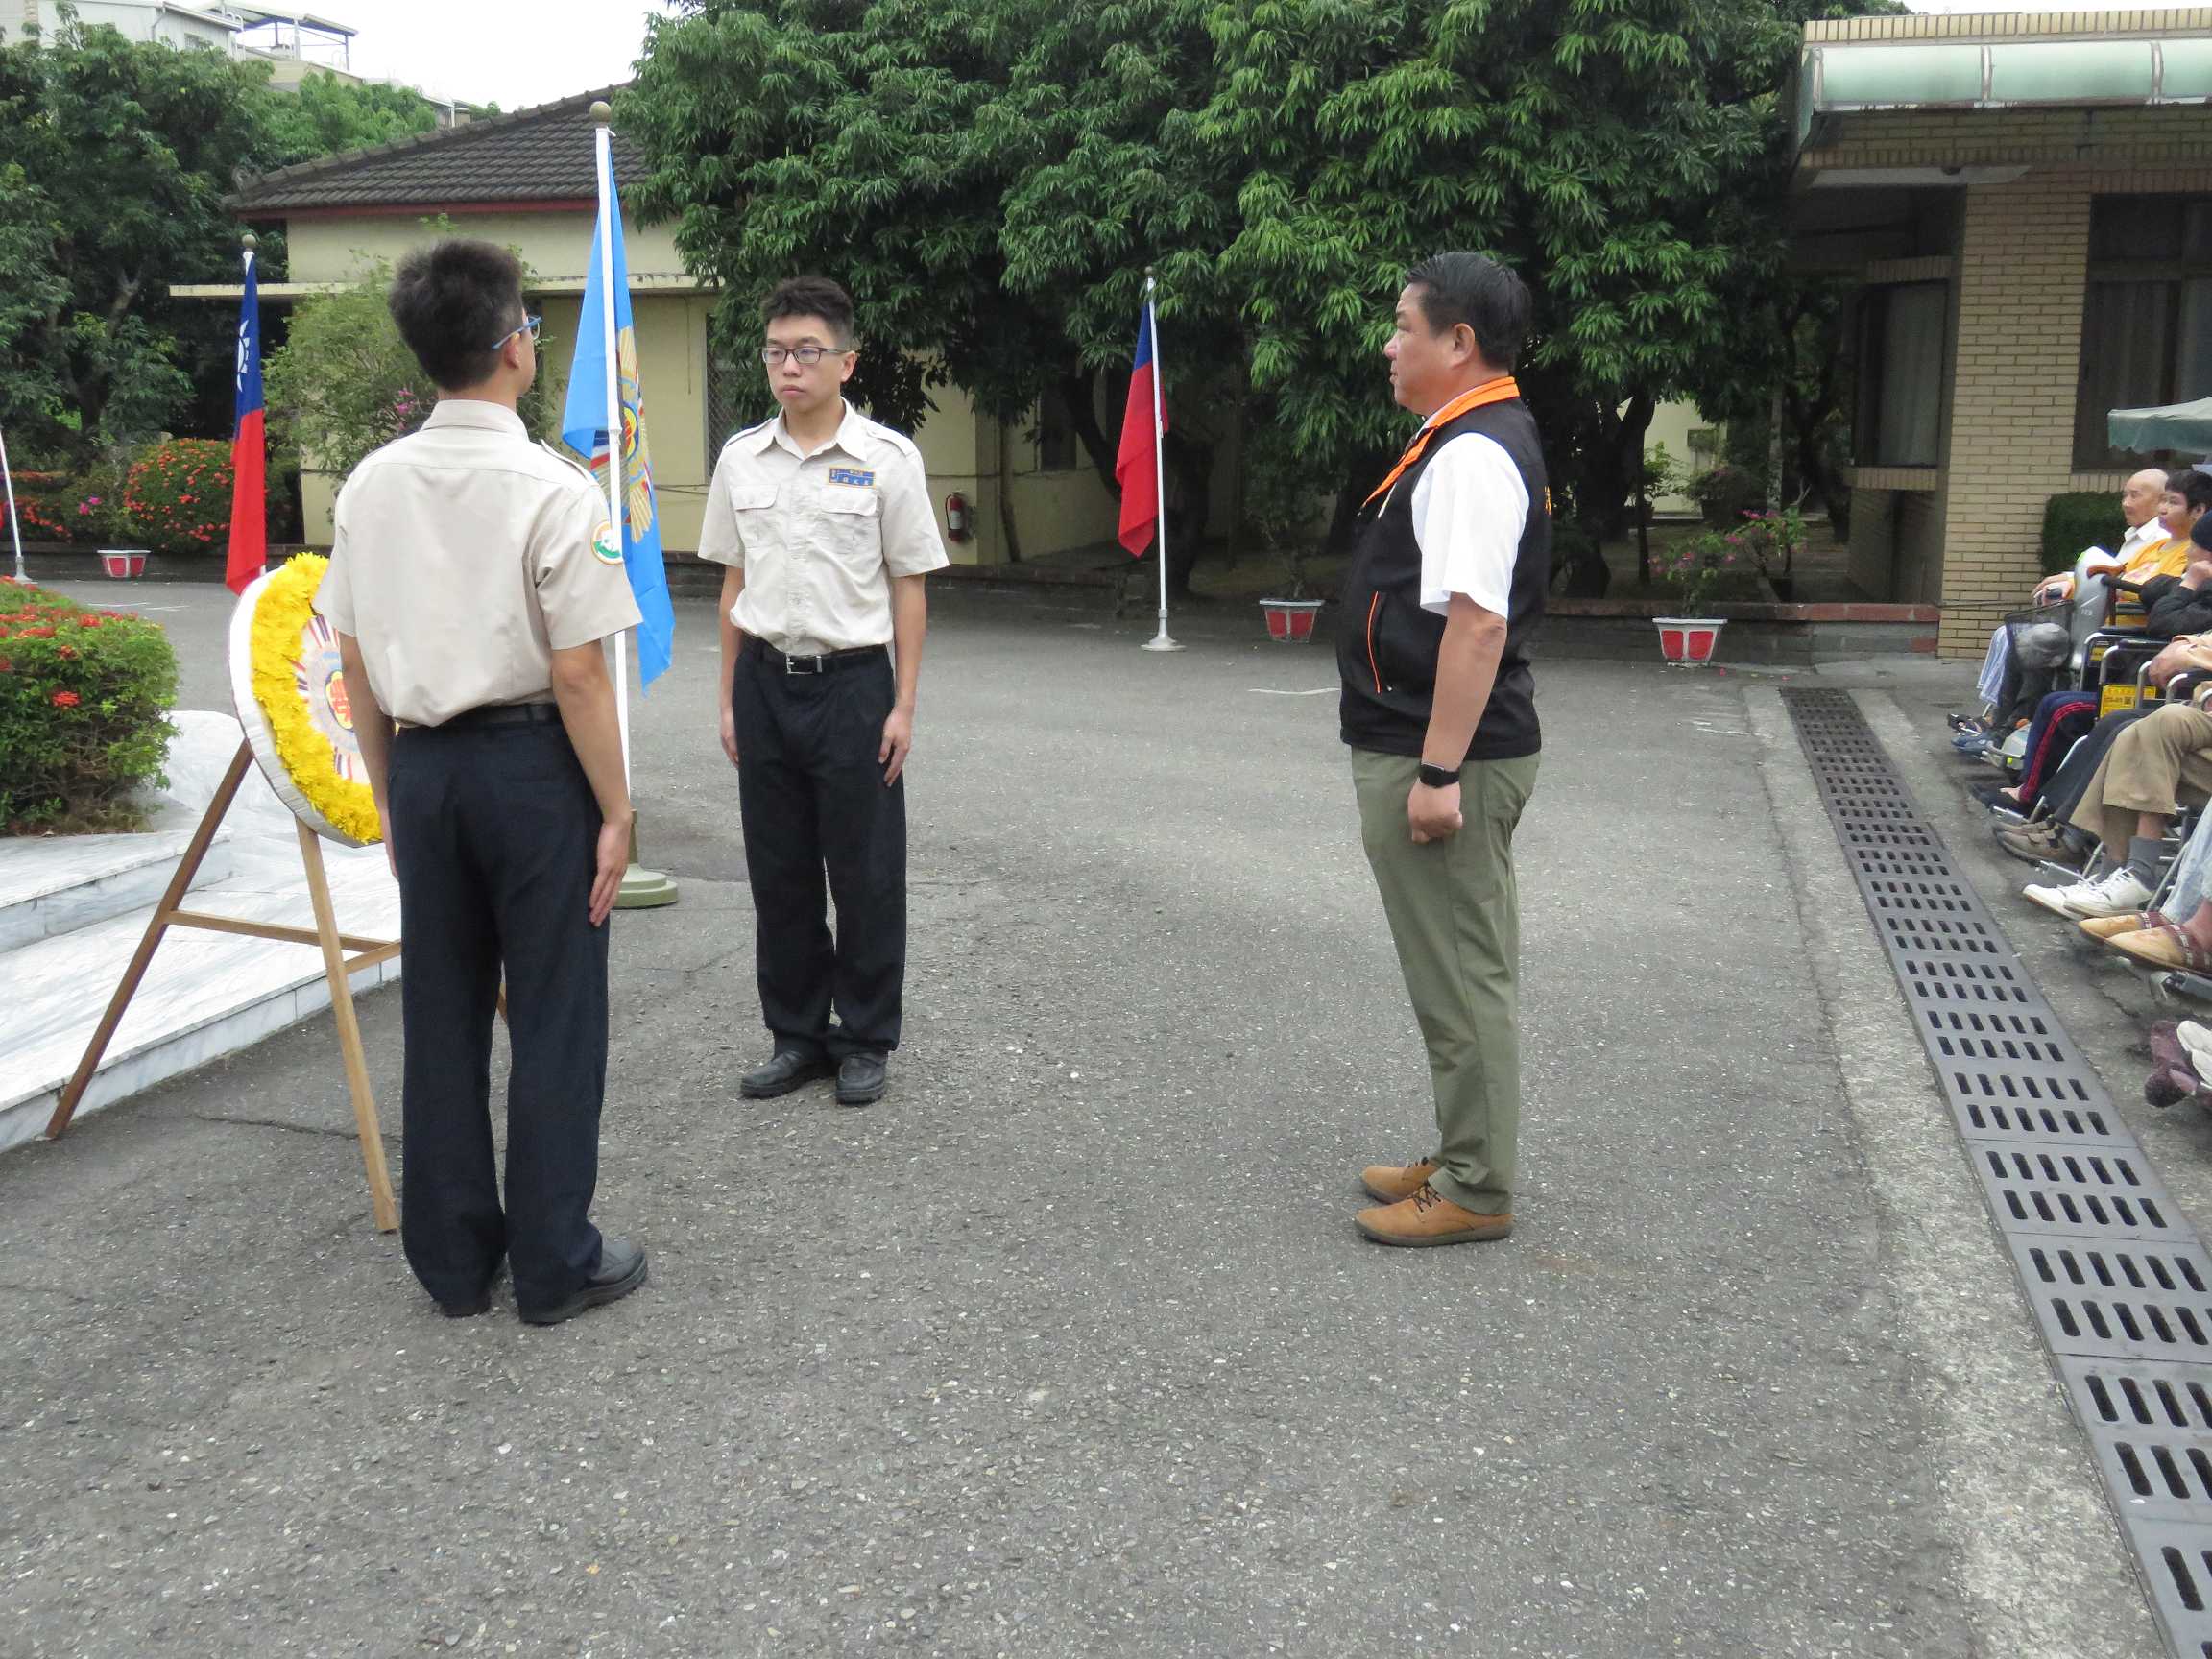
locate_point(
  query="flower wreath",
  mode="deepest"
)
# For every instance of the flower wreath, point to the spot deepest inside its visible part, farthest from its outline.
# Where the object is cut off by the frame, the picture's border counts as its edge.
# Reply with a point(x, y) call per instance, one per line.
point(292, 700)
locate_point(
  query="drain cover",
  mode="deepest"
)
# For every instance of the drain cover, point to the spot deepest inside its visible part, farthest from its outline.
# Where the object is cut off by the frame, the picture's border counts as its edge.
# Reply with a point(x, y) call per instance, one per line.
point(2120, 1287)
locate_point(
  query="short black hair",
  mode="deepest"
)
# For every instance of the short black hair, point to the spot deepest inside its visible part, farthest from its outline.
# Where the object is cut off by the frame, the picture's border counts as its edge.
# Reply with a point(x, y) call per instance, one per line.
point(452, 301)
point(1485, 295)
point(2193, 486)
point(2202, 534)
point(812, 296)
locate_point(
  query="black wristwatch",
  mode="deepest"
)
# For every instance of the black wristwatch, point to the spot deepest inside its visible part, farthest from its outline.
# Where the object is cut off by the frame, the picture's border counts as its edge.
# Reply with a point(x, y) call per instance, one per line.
point(1438, 777)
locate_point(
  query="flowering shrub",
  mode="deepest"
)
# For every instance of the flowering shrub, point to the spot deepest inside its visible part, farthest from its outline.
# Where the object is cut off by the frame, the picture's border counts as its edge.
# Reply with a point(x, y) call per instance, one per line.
point(83, 699)
point(1691, 570)
point(178, 495)
point(1772, 540)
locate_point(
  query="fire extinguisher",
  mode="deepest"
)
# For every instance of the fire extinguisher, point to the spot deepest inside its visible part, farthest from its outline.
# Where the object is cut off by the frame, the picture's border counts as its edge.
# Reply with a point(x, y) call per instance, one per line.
point(956, 516)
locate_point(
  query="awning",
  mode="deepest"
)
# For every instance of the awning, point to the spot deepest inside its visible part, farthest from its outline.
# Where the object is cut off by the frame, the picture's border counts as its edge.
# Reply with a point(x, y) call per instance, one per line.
point(2176, 427)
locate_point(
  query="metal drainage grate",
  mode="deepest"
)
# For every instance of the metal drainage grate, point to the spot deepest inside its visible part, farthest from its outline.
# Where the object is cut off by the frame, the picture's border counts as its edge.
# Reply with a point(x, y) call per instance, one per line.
point(2119, 1285)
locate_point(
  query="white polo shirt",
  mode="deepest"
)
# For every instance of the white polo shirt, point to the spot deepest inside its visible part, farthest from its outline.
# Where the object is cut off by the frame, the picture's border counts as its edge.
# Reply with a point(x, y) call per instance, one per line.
point(819, 535)
point(1469, 509)
point(465, 556)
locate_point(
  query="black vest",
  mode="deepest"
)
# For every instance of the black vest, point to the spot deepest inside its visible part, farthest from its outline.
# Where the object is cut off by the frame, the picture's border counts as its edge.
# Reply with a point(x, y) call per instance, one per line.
point(1386, 643)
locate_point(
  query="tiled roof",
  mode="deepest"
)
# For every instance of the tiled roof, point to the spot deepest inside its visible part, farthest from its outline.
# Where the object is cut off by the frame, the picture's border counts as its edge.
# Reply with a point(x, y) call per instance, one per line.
point(538, 155)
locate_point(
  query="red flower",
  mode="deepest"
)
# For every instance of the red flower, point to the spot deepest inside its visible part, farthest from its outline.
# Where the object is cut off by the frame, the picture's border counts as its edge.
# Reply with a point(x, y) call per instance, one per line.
point(38, 632)
point(91, 621)
point(67, 652)
point(6, 666)
point(65, 699)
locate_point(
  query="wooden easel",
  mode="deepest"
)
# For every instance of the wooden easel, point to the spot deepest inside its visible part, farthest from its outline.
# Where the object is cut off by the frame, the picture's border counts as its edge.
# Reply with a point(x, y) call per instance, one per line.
point(337, 968)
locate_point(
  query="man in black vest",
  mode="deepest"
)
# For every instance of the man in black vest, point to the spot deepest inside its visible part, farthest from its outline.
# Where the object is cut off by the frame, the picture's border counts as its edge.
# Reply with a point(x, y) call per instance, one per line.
point(1444, 593)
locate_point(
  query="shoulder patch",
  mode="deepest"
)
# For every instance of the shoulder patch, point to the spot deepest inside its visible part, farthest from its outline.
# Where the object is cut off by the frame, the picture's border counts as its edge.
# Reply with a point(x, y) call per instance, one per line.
point(606, 546)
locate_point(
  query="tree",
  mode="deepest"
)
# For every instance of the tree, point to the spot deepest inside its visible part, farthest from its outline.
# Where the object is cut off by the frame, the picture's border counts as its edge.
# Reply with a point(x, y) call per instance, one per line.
point(327, 117)
point(991, 181)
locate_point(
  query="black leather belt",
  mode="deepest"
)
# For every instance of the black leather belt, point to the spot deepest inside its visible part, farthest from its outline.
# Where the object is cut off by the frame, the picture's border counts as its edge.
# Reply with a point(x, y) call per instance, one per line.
point(823, 662)
point(506, 714)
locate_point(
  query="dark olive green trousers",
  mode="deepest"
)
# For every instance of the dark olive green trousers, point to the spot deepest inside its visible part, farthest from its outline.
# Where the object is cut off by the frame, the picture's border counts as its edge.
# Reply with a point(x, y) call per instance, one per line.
point(1454, 916)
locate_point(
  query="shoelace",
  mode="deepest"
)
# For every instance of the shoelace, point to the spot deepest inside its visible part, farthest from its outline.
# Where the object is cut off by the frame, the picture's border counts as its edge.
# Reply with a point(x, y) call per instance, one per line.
point(1424, 1196)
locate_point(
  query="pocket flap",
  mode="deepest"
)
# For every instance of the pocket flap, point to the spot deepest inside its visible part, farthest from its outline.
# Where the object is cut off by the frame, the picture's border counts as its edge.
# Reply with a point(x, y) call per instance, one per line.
point(845, 498)
point(746, 497)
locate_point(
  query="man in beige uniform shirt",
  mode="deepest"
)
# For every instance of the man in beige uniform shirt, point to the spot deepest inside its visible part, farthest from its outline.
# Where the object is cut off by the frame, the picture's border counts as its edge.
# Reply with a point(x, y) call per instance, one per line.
point(472, 580)
point(824, 520)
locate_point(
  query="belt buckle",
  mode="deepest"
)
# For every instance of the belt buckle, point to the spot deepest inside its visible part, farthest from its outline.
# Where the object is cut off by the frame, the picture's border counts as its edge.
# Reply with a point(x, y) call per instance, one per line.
point(791, 663)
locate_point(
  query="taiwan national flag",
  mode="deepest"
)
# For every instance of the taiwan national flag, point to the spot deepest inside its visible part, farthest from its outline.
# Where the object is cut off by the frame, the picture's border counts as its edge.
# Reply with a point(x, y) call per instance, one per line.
point(584, 429)
point(1137, 467)
point(249, 458)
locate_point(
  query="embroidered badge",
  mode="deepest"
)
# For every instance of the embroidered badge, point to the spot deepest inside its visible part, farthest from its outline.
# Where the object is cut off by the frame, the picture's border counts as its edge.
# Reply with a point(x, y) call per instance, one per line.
point(846, 475)
point(605, 546)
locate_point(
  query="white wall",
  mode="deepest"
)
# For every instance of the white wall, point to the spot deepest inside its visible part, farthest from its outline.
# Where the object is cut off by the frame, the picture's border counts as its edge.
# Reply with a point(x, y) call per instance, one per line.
point(138, 20)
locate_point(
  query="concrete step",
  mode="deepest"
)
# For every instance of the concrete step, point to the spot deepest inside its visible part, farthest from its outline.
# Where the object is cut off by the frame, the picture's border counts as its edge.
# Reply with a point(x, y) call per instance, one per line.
point(54, 886)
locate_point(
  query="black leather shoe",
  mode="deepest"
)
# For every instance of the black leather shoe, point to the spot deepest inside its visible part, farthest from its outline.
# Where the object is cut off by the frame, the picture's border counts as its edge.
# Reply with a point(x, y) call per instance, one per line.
point(861, 1080)
point(621, 1271)
point(789, 1070)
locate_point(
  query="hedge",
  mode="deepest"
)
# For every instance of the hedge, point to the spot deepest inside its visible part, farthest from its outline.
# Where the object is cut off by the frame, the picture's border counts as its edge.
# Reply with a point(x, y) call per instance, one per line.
point(83, 699)
point(178, 495)
point(2072, 522)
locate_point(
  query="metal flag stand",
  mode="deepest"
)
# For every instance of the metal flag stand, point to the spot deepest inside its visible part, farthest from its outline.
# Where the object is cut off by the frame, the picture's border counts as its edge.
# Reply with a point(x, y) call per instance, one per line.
point(1162, 640)
point(14, 530)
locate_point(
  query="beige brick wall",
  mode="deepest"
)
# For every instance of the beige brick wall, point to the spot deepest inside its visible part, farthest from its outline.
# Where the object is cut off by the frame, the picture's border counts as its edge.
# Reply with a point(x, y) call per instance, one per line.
point(2023, 257)
point(2164, 136)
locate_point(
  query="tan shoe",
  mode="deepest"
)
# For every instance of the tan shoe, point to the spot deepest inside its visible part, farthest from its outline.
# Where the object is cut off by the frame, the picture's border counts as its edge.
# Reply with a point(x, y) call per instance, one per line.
point(2108, 926)
point(1429, 1217)
point(1388, 1182)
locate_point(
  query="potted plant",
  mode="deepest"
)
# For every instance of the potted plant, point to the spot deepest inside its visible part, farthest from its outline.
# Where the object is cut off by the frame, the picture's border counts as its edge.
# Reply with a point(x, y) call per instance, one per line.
point(1280, 510)
point(1691, 570)
point(1772, 541)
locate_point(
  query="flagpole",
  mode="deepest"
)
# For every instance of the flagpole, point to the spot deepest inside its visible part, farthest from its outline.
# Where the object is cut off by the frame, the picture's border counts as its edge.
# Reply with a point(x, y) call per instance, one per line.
point(642, 889)
point(1160, 641)
point(14, 530)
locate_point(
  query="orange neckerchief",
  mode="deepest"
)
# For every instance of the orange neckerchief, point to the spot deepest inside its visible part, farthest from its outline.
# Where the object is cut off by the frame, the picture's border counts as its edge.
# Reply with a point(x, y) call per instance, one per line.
point(1491, 392)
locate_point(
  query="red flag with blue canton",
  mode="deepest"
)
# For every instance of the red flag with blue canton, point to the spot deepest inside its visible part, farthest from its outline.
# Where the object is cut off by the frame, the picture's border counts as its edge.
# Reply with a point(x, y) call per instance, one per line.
point(1137, 467)
point(249, 458)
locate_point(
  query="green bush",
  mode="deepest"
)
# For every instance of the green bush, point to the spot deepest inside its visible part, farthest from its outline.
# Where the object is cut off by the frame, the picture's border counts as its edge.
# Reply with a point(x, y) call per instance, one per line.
point(178, 495)
point(2084, 518)
point(1726, 493)
point(84, 697)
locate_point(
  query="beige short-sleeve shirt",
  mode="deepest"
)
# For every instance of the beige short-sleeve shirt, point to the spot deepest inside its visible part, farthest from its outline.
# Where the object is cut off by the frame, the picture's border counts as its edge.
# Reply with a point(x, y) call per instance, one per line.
point(465, 556)
point(820, 536)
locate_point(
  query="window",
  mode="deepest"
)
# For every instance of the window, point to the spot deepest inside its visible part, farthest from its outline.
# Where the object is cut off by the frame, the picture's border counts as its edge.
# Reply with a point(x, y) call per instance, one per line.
point(2146, 317)
point(732, 391)
point(1055, 433)
point(1704, 447)
point(1903, 348)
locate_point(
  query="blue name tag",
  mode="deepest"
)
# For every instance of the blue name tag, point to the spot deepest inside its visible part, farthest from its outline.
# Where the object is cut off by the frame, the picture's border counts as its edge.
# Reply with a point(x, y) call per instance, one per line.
point(846, 475)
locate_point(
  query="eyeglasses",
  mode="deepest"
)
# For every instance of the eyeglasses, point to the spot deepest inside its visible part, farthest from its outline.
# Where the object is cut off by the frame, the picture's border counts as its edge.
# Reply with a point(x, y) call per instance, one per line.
point(530, 326)
point(807, 355)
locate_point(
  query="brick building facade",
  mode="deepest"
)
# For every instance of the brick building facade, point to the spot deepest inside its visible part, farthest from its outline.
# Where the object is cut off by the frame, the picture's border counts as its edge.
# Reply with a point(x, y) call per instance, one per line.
point(2025, 204)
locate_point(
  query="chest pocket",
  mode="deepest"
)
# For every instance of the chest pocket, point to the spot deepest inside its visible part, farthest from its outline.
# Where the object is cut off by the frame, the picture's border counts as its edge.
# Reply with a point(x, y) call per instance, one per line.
point(848, 519)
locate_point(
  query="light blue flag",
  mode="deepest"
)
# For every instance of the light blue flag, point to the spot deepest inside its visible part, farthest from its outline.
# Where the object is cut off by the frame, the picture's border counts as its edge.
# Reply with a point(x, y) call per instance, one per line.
point(584, 429)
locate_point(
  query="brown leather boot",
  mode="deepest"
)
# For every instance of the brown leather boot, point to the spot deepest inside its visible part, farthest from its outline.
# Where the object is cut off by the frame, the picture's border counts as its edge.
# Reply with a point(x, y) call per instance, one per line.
point(1429, 1217)
point(1388, 1182)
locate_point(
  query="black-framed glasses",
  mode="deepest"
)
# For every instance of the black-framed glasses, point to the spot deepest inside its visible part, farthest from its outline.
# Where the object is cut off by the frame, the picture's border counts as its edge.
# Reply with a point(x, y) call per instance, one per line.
point(531, 326)
point(807, 355)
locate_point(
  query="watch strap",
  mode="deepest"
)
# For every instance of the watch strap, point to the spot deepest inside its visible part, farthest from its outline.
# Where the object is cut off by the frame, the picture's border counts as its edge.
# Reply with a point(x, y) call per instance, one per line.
point(1438, 777)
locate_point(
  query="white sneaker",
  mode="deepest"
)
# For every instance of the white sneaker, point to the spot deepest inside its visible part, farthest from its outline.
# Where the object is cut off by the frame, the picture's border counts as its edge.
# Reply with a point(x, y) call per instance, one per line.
point(2052, 899)
point(2119, 894)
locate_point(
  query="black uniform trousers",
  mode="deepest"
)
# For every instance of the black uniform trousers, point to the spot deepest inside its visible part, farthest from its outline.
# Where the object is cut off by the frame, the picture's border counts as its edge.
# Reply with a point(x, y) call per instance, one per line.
point(495, 831)
point(812, 795)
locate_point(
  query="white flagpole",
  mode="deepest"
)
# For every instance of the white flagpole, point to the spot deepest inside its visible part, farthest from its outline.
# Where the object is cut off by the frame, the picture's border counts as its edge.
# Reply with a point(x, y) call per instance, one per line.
point(14, 530)
point(614, 480)
point(1160, 641)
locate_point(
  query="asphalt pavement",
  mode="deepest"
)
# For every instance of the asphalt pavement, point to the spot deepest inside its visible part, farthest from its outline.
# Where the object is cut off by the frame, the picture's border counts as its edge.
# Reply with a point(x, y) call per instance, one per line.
point(1070, 1347)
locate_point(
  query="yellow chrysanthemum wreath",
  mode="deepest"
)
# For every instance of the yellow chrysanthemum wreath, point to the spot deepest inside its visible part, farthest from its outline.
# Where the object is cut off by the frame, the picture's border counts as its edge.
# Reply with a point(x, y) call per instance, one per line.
point(286, 608)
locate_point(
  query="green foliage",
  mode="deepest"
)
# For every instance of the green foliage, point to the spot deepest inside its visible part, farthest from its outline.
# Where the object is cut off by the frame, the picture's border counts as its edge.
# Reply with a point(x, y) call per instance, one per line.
point(178, 495)
point(1695, 570)
point(1772, 540)
point(343, 383)
point(2077, 521)
point(1726, 495)
point(328, 115)
point(991, 179)
point(83, 695)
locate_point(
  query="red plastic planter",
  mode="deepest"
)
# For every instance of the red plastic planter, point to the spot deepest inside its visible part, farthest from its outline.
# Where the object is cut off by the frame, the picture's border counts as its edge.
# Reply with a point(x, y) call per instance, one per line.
point(122, 563)
point(1689, 640)
point(1290, 621)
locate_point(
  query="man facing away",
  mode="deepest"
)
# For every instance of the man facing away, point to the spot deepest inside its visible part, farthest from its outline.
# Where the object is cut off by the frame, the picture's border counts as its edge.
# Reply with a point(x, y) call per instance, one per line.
point(822, 517)
point(473, 579)
point(1444, 593)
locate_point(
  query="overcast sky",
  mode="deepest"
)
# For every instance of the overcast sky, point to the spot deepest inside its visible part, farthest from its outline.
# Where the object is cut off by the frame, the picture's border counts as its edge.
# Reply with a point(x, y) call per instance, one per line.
point(517, 53)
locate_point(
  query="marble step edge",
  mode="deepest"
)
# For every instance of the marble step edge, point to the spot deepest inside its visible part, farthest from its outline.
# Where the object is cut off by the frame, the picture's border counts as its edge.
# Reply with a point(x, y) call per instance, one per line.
point(102, 889)
point(123, 1073)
